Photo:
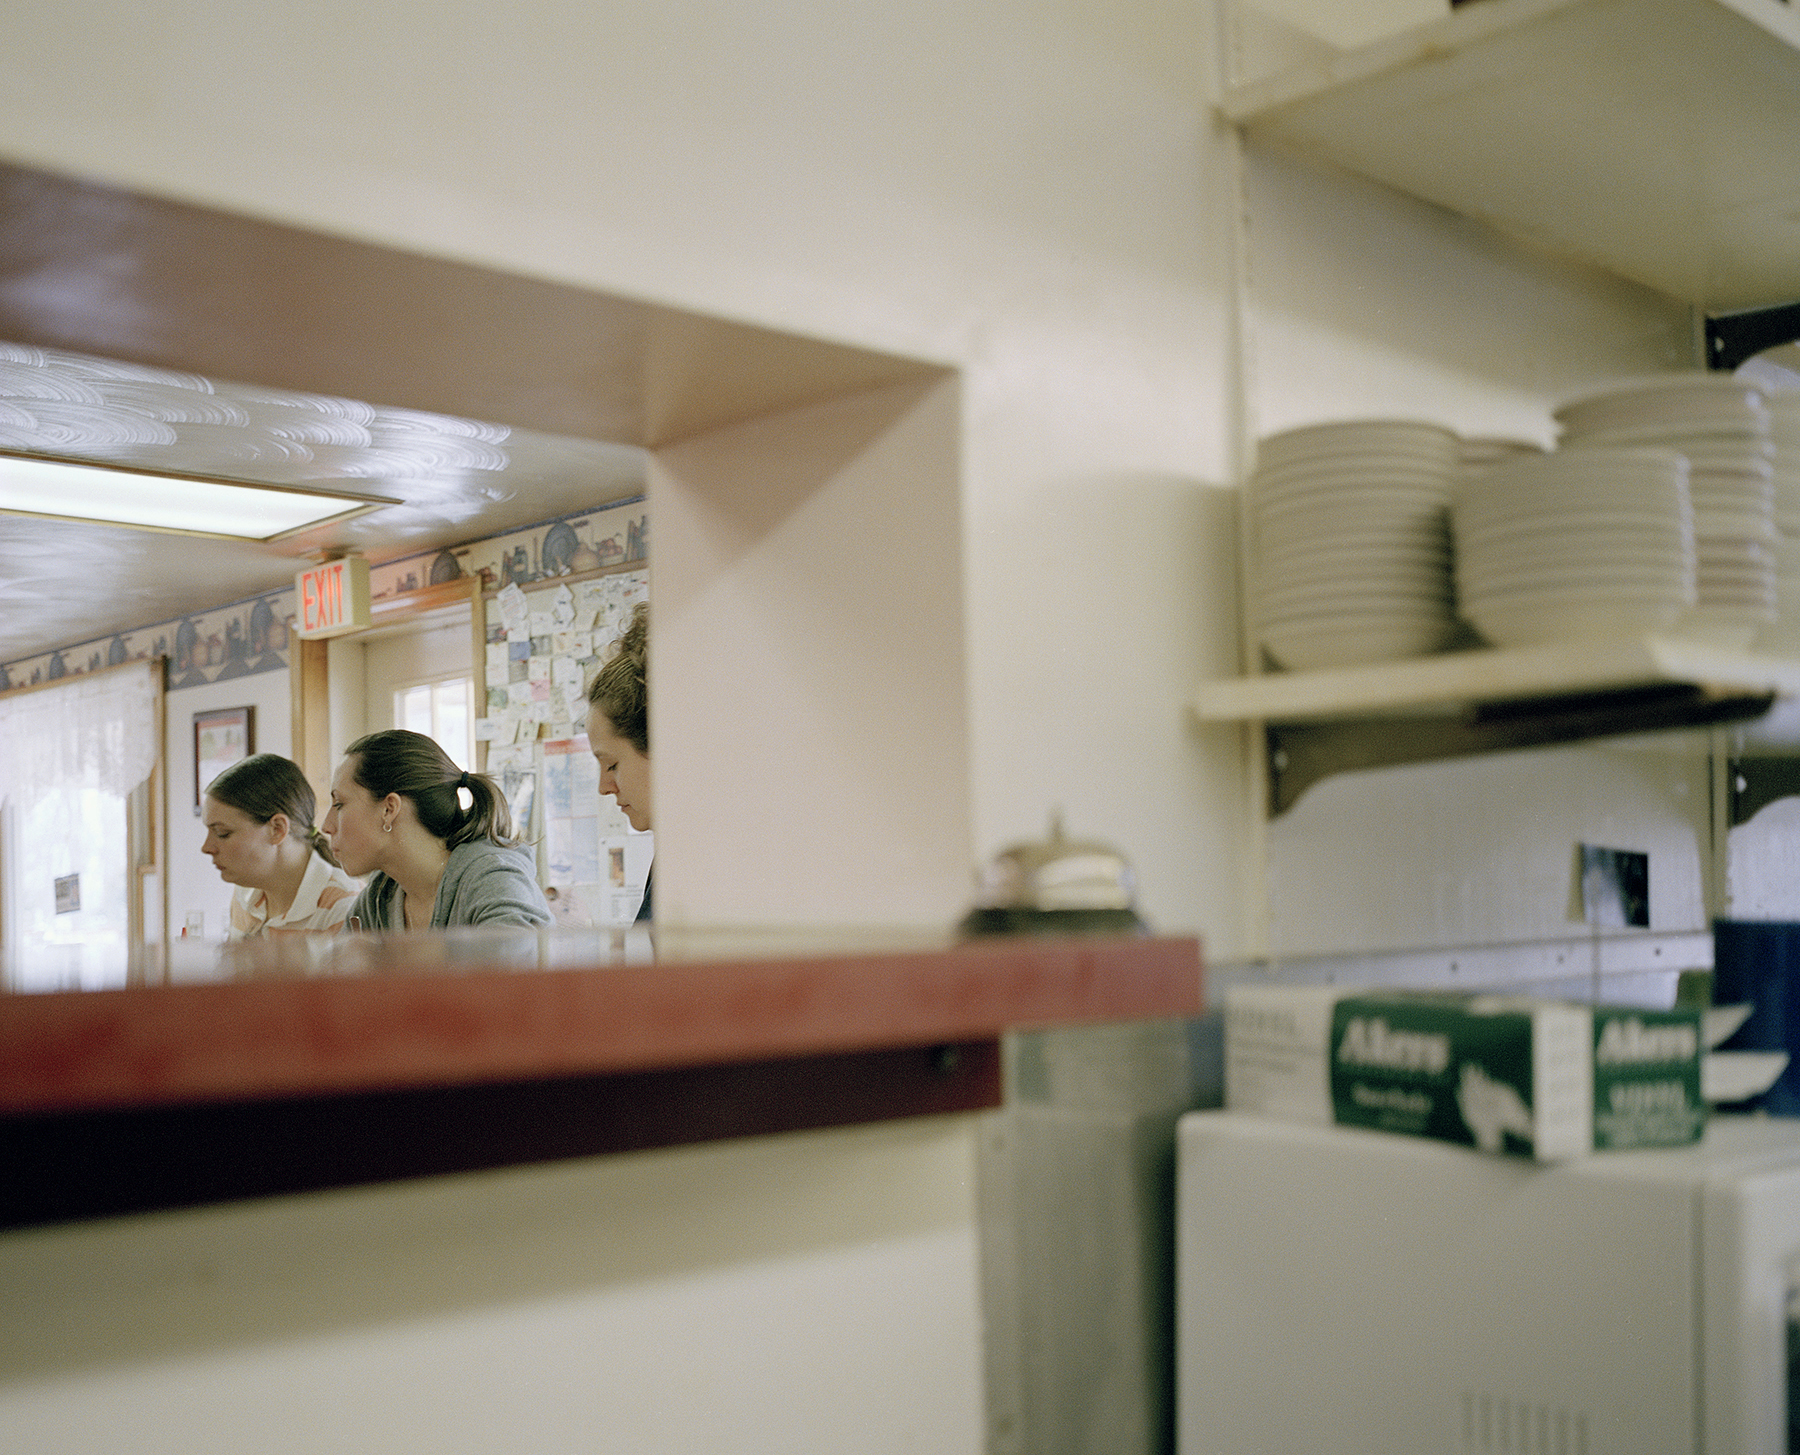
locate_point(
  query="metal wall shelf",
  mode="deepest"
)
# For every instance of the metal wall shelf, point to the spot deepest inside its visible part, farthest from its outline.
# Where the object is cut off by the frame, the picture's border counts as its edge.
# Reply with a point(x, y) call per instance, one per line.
point(1651, 137)
point(1491, 700)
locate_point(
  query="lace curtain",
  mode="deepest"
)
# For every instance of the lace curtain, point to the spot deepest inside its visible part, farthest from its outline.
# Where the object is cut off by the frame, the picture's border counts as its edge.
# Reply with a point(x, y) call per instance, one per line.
point(96, 730)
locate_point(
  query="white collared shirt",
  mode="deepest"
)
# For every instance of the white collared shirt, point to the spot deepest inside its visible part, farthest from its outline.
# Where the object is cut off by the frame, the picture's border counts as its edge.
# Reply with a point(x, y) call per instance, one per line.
point(323, 899)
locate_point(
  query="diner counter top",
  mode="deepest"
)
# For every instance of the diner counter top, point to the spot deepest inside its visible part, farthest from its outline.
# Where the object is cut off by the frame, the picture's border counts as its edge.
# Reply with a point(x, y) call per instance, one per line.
point(449, 1051)
point(307, 1016)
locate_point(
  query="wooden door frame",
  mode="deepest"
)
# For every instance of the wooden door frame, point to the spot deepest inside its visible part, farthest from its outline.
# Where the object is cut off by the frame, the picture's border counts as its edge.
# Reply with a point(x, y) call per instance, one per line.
point(309, 682)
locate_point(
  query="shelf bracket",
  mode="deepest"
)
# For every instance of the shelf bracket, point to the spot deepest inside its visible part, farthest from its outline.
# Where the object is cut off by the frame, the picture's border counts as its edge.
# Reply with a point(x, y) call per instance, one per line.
point(1756, 782)
point(1303, 753)
point(1733, 337)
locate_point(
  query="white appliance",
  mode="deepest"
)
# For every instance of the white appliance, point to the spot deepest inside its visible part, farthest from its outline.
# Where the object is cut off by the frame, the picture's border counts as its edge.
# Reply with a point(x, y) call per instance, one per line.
point(1345, 1291)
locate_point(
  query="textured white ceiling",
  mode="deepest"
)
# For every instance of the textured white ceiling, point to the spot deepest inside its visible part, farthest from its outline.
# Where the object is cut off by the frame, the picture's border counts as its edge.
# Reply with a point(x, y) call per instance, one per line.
point(63, 582)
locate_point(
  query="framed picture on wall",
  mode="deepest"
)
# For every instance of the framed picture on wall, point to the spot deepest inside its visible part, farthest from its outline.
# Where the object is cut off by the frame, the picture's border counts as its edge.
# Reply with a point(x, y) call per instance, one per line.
point(224, 736)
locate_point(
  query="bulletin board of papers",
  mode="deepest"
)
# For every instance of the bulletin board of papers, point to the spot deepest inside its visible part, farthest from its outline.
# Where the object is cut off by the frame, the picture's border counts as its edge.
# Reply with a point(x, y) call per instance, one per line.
point(543, 647)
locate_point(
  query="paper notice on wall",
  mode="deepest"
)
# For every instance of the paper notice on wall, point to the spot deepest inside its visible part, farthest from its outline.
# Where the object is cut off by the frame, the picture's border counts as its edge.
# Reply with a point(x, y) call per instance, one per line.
point(571, 813)
point(513, 609)
point(514, 768)
point(625, 861)
point(604, 607)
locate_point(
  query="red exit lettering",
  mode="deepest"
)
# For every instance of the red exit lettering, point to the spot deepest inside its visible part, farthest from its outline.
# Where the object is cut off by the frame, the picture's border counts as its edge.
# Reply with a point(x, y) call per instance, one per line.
point(309, 601)
point(322, 597)
point(330, 599)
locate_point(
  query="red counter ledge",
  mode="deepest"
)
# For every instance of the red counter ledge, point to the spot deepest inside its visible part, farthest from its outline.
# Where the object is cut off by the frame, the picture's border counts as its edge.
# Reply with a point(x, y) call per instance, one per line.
point(300, 1065)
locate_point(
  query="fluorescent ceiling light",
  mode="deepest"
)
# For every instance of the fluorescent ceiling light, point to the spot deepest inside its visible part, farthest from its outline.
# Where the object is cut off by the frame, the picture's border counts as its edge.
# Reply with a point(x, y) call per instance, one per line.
point(187, 504)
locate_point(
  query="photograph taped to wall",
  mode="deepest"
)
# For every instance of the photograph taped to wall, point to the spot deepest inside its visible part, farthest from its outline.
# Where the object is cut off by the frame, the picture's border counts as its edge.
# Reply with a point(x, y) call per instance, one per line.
point(1615, 887)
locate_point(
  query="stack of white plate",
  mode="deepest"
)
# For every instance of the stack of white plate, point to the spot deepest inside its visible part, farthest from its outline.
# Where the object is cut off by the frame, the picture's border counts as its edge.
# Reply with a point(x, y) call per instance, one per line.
point(1350, 548)
point(1477, 452)
point(1783, 634)
point(1720, 424)
point(1577, 545)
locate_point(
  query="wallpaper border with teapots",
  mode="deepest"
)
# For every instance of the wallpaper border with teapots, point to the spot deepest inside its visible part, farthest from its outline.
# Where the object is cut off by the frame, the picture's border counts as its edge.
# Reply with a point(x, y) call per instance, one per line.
point(246, 637)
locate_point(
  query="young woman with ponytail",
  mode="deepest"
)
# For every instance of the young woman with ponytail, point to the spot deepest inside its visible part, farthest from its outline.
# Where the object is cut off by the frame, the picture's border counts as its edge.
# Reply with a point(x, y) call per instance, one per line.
point(260, 837)
point(437, 841)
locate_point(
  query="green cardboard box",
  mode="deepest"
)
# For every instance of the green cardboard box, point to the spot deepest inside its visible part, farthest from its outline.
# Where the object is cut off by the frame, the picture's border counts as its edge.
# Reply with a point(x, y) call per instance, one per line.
point(1530, 1077)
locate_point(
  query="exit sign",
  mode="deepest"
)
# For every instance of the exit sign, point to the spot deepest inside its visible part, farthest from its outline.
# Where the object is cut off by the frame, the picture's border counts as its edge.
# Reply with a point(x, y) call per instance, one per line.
point(333, 598)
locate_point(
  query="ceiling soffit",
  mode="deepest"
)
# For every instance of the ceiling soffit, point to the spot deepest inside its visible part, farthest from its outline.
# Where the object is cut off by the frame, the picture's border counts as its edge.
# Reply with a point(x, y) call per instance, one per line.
point(155, 333)
point(104, 271)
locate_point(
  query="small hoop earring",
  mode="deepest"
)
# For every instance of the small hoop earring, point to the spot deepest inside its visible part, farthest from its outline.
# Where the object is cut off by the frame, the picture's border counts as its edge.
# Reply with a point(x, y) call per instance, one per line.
point(387, 828)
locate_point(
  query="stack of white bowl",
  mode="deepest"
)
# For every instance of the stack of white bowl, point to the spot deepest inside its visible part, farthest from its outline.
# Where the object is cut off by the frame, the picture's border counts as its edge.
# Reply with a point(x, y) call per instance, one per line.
point(1720, 424)
point(1350, 547)
point(1783, 634)
point(1577, 545)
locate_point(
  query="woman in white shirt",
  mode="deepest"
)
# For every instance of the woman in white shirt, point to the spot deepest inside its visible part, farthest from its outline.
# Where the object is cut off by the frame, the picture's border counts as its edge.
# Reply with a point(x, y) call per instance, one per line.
point(260, 837)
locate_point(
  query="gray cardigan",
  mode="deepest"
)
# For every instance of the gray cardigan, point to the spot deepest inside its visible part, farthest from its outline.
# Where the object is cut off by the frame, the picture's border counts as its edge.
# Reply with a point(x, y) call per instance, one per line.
point(484, 884)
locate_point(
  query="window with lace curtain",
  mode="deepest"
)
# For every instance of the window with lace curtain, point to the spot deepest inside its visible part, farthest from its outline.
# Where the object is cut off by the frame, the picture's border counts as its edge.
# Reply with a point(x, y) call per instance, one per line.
point(76, 758)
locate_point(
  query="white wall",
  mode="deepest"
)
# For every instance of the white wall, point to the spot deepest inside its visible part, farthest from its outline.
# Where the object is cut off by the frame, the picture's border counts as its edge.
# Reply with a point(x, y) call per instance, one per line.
point(1482, 852)
point(1031, 191)
point(789, 1294)
point(1763, 865)
point(1023, 189)
point(811, 692)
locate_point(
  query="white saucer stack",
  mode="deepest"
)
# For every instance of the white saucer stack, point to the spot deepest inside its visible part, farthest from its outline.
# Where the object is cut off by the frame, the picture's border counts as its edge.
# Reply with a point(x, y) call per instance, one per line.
point(1350, 546)
point(1576, 545)
point(1720, 425)
point(1783, 634)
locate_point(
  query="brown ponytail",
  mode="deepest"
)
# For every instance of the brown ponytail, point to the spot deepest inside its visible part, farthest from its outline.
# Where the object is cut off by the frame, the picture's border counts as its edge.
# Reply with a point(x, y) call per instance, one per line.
point(414, 766)
point(321, 845)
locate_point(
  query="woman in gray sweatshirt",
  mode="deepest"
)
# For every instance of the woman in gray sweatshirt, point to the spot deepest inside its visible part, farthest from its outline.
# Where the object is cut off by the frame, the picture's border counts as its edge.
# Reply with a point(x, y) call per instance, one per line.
point(436, 842)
